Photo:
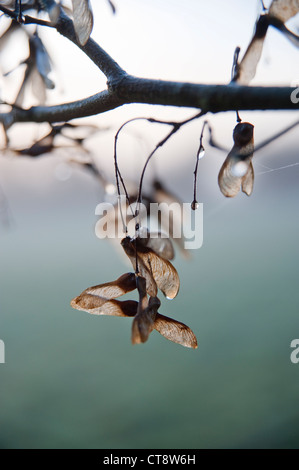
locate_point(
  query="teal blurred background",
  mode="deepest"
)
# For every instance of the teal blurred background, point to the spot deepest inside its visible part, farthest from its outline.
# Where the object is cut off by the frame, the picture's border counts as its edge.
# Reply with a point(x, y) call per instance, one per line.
point(72, 380)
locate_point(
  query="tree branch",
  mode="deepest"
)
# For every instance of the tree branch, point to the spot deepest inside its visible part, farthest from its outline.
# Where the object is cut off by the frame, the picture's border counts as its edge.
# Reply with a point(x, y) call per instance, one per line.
point(208, 98)
point(90, 106)
point(213, 98)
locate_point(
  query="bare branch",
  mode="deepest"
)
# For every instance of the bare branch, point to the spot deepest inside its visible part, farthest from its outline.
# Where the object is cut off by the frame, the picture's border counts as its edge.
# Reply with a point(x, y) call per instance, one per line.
point(213, 98)
point(95, 104)
point(275, 137)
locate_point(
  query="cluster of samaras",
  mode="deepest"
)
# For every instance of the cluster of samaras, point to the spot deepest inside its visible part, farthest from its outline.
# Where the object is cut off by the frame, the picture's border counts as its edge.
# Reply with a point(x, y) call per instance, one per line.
point(153, 272)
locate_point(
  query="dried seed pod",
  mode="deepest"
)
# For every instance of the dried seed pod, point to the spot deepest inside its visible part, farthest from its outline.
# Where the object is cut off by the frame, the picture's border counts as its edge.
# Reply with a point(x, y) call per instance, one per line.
point(130, 250)
point(98, 306)
point(111, 290)
point(279, 12)
point(145, 312)
point(143, 323)
point(158, 242)
point(157, 271)
point(237, 170)
point(246, 70)
point(284, 9)
point(83, 20)
point(175, 331)
point(139, 326)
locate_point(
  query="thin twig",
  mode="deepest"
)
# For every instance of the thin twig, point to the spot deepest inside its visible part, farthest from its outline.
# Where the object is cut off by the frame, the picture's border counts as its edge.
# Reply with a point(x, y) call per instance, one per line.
point(276, 136)
point(199, 155)
point(263, 5)
point(175, 127)
point(26, 19)
point(112, 6)
point(118, 177)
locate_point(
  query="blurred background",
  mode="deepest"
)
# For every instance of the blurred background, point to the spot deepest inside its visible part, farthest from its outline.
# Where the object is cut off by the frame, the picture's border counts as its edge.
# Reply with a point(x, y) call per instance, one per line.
point(72, 380)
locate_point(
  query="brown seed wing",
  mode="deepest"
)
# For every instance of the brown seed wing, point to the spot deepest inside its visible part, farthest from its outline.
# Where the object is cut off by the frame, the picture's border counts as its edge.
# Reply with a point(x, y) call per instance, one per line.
point(284, 9)
point(246, 70)
point(129, 248)
point(162, 246)
point(142, 326)
point(110, 290)
point(249, 63)
point(175, 331)
point(163, 272)
point(87, 302)
point(99, 306)
point(143, 323)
